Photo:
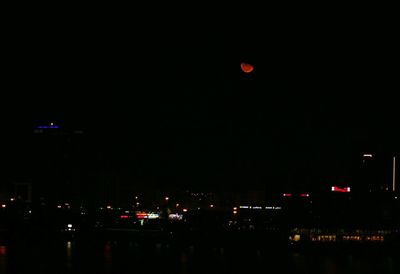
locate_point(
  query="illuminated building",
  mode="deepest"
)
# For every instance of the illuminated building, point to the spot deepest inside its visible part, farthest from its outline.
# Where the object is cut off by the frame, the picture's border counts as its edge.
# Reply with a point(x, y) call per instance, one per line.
point(54, 158)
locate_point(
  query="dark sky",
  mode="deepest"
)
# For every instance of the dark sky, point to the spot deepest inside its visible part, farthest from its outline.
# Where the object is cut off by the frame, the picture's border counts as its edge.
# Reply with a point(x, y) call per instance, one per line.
point(163, 100)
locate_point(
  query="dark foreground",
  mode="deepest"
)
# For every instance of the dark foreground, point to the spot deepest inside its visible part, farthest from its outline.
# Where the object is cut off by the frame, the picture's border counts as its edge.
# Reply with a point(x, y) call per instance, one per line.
point(118, 252)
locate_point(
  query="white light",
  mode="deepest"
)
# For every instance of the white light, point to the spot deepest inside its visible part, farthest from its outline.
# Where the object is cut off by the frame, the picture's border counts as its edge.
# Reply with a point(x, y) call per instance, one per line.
point(257, 207)
point(175, 216)
point(243, 206)
point(3, 205)
point(368, 155)
point(153, 216)
point(69, 225)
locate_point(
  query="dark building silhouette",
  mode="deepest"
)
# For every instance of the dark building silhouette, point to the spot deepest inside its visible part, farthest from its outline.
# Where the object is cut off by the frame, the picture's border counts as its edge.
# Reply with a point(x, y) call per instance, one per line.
point(54, 156)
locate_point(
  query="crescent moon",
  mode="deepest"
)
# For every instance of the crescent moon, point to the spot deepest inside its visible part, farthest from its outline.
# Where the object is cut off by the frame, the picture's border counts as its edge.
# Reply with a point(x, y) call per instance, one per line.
point(246, 67)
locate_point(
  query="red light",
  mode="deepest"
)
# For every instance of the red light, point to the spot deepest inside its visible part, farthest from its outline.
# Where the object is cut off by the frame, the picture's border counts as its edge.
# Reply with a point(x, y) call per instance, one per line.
point(3, 250)
point(141, 215)
point(287, 195)
point(340, 189)
point(124, 216)
point(304, 195)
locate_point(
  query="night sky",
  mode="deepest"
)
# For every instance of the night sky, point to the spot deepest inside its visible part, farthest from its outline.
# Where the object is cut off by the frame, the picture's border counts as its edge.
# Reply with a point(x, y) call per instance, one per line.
point(164, 103)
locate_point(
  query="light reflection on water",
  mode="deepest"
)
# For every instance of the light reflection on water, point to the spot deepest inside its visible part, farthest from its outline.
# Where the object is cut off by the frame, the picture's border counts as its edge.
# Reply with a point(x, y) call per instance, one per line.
point(3, 258)
point(69, 254)
point(108, 255)
point(133, 257)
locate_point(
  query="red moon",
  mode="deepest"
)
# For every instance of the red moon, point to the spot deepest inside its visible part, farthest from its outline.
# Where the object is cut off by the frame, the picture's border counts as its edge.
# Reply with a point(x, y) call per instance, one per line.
point(246, 68)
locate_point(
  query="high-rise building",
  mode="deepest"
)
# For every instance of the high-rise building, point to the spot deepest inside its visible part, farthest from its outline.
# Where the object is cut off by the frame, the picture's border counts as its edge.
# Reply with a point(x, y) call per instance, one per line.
point(52, 158)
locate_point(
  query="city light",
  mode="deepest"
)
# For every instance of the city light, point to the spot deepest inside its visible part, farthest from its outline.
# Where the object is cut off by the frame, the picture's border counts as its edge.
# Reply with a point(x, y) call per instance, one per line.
point(124, 217)
point(51, 126)
point(287, 195)
point(305, 195)
point(367, 155)
point(109, 207)
point(175, 216)
point(273, 207)
point(141, 215)
point(3, 205)
point(153, 216)
point(166, 198)
point(184, 210)
point(144, 215)
point(211, 206)
point(340, 189)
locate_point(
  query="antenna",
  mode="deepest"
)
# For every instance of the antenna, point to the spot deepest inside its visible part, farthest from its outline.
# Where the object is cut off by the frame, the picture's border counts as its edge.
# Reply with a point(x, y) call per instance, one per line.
point(394, 174)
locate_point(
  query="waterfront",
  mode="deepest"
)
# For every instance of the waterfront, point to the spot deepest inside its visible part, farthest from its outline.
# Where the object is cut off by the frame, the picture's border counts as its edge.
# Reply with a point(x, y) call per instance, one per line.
point(236, 256)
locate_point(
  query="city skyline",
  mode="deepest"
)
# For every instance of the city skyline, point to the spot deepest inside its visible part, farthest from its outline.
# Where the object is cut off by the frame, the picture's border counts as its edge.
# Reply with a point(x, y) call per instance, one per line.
point(168, 107)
